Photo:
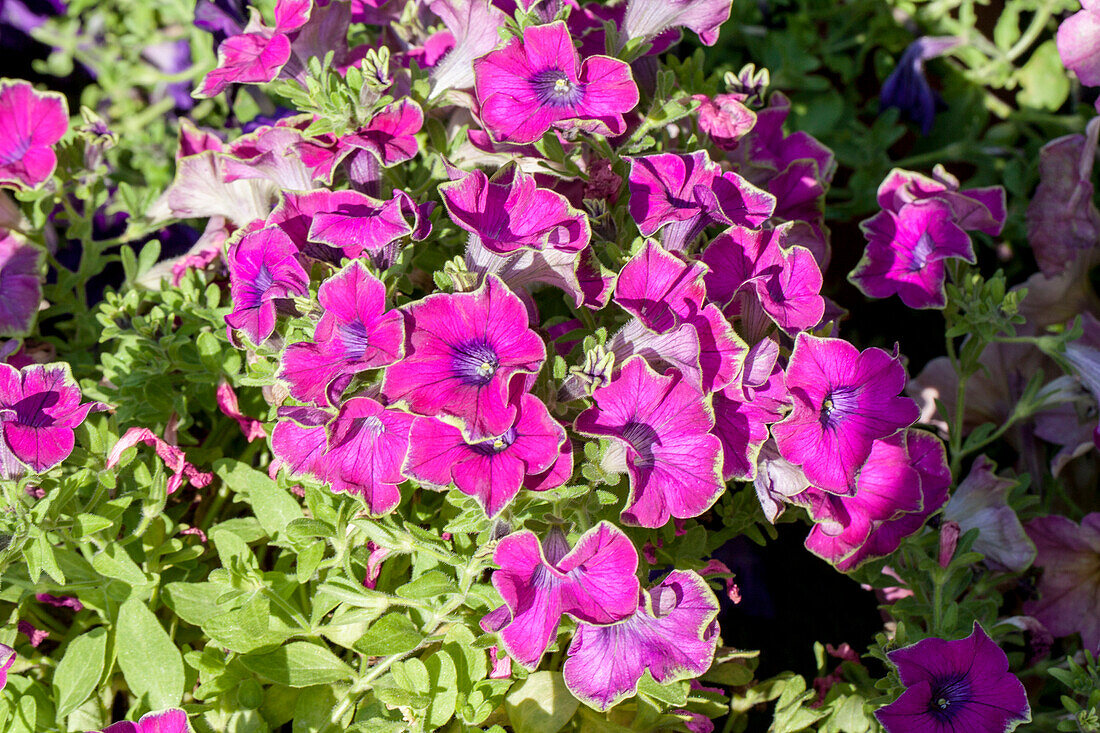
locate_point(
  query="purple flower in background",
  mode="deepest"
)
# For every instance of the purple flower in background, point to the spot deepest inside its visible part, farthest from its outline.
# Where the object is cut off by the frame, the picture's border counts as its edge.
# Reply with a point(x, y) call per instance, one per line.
point(7, 659)
point(173, 720)
point(647, 18)
point(1079, 44)
point(661, 425)
point(673, 634)
point(844, 400)
point(981, 502)
point(1069, 555)
point(961, 685)
point(907, 89)
point(220, 18)
point(538, 82)
point(660, 288)
point(31, 122)
point(594, 582)
point(491, 470)
point(173, 57)
point(356, 333)
point(906, 251)
point(511, 212)
point(263, 268)
point(39, 409)
point(461, 352)
point(26, 15)
point(20, 283)
point(473, 25)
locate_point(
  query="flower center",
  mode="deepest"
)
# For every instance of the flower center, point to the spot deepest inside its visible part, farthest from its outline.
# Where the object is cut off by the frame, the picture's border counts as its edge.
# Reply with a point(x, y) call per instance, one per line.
point(31, 411)
point(356, 339)
point(949, 695)
point(553, 88)
point(475, 363)
point(922, 252)
point(264, 279)
point(838, 405)
point(642, 438)
point(16, 153)
point(496, 445)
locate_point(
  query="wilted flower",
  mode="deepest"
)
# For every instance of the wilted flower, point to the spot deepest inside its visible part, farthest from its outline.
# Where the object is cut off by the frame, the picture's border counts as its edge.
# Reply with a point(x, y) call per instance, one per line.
point(907, 88)
point(538, 82)
point(19, 282)
point(174, 458)
point(981, 502)
point(1069, 555)
point(30, 123)
point(961, 685)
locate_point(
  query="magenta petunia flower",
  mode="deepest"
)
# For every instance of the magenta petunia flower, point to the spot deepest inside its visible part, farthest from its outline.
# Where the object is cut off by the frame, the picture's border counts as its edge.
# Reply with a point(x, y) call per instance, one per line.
point(660, 289)
point(954, 686)
point(594, 582)
point(200, 190)
point(673, 634)
point(1078, 43)
point(647, 18)
point(683, 194)
point(906, 251)
point(511, 212)
point(744, 410)
point(272, 153)
point(491, 470)
point(461, 352)
point(39, 409)
point(474, 26)
point(390, 136)
point(725, 118)
point(30, 123)
point(662, 425)
point(356, 333)
point(20, 283)
point(1069, 555)
point(844, 400)
point(263, 269)
point(537, 82)
point(7, 659)
point(975, 209)
point(173, 720)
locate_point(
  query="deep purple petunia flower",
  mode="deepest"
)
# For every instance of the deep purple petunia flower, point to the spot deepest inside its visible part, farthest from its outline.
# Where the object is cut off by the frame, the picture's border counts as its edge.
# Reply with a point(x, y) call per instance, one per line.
point(955, 686)
point(673, 634)
point(647, 18)
point(20, 283)
point(844, 400)
point(1079, 44)
point(906, 251)
point(1069, 555)
point(594, 582)
point(538, 82)
point(30, 123)
point(461, 352)
point(511, 212)
point(173, 720)
point(356, 333)
point(491, 470)
point(907, 88)
point(661, 425)
point(263, 268)
point(39, 408)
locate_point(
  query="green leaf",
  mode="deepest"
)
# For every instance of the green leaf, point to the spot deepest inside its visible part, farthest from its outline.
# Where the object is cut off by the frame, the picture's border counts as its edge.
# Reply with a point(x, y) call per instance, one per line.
point(299, 664)
point(431, 584)
point(391, 634)
point(195, 603)
point(540, 704)
point(79, 670)
point(273, 507)
point(245, 629)
point(89, 524)
point(444, 688)
point(40, 557)
point(113, 562)
point(1043, 81)
point(148, 657)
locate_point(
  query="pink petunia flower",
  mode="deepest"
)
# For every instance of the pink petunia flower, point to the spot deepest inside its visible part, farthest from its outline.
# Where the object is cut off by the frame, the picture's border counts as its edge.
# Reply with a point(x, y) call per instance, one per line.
point(661, 425)
point(593, 582)
point(31, 122)
point(7, 659)
point(1078, 45)
point(356, 333)
point(537, 82)
point(19, 282)
point(975, 209)
point(906, 252)
point(672, 634)
point(491, 470)
point(230, 406)
point(59, 601)
point(647, 18)
point(1069, 555)
point(172, 720)
point(660, 289)
point(461, 352)
point(263, 269)
point(725, 118)
point(844, 400)
point(744, 410)
point(39, 409)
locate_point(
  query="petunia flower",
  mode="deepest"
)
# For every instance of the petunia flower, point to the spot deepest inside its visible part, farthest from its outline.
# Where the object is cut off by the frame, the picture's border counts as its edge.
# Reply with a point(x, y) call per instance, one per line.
point(388, 139)
point(200, 190)
point(744, 410)
point(659, 288)
point(725, 118)
point(537, 82)
point(511, 212)
point(30, 123)
point(355, 333)
point(906, 251)
point(274, 153)
point(1069, 555)
point(174, 458)
point(594, 582)
point(662, 425)
point(7, 659)
point(263, 268)
point(672, 634)
point(474, 26)
point(647, 18)
point(844, 400)
point(683, 194)
point(60, 601)
point(491, 470)
point(20, 283)
point(173, 720)
point(981, 502)
point(961, 685)
point(907, 89)
point(1078, 46)
point(39, 409)
point(975, 209)
point(226, 397)
point(461, 352)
